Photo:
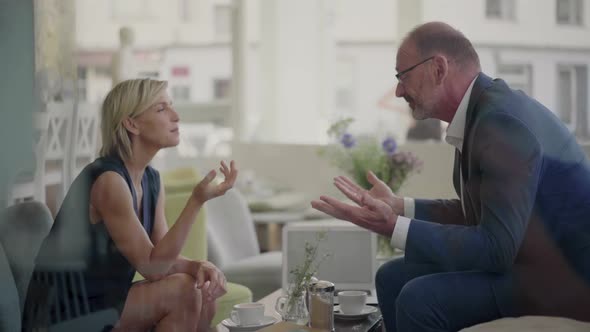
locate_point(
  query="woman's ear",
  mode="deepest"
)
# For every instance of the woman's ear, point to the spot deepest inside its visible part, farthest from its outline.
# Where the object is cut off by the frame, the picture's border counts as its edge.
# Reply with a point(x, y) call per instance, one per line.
point(131, 126)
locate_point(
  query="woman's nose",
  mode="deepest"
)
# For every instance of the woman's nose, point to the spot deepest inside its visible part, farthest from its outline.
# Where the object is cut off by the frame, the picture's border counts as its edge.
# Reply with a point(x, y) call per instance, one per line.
point(175, 116)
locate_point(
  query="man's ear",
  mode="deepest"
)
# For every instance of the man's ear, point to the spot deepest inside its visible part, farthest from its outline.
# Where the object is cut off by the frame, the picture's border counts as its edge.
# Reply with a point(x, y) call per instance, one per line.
point(131, 126)
point(441, 68)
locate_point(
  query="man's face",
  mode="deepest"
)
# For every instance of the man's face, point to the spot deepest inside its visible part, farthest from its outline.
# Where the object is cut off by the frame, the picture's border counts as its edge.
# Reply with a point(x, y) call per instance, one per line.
point(414, 84)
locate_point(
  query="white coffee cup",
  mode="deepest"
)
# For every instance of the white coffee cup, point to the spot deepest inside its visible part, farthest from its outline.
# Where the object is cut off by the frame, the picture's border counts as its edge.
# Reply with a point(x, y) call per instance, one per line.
point(245, 314)
point(352, 302)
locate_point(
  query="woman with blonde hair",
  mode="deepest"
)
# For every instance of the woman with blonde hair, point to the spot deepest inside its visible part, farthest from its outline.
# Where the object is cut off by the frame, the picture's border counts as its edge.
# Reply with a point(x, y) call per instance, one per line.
point(112, 223)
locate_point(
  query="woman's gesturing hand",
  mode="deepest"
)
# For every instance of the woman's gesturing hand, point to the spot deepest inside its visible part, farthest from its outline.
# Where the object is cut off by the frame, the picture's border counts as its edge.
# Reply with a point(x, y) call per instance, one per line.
point(207, 190)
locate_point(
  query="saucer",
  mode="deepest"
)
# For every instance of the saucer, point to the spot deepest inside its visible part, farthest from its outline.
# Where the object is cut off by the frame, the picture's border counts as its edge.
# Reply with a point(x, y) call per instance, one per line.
point(266, 321)
point(367, 310)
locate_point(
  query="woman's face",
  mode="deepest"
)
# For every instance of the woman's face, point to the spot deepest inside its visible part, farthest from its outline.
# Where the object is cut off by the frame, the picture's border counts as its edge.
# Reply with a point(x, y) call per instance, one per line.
point(158, 125)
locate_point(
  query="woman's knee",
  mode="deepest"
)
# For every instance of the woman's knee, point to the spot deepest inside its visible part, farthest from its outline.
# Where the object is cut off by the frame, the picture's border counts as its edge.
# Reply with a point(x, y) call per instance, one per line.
point(182, 288)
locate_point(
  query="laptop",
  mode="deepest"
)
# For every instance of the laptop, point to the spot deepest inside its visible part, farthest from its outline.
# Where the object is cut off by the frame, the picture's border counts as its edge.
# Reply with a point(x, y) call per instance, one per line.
point(351, 264)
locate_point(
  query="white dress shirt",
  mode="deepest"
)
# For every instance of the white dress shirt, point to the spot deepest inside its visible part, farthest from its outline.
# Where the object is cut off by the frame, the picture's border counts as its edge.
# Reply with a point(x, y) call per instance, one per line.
point(454, 136)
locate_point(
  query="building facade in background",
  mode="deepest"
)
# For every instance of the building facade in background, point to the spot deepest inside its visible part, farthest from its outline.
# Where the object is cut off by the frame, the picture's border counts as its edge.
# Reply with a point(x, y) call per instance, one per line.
point(539, 46)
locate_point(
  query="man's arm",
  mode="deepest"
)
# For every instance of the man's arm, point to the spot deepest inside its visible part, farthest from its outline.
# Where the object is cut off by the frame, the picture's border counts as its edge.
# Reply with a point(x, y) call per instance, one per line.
point(440, 211)
point(507, 158)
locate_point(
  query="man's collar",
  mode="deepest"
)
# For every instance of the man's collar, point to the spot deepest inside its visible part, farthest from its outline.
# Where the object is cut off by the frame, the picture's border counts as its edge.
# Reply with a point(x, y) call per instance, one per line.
point(456, 129)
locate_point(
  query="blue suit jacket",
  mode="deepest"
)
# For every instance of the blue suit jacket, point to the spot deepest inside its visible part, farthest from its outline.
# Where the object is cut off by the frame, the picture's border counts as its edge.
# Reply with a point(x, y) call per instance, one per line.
point(527, 205)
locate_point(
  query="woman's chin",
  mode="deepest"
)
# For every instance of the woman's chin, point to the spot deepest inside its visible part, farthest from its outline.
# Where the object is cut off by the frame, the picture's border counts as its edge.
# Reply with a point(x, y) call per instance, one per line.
point(170, 144)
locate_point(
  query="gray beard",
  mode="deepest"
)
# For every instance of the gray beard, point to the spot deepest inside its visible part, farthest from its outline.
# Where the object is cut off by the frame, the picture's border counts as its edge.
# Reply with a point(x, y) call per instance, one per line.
point(419, 114)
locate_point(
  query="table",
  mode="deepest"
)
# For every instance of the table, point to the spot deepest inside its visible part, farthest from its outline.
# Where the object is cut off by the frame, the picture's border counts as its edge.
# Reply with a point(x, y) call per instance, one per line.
point(272, 222)
point(269, 308)
point(372, 325)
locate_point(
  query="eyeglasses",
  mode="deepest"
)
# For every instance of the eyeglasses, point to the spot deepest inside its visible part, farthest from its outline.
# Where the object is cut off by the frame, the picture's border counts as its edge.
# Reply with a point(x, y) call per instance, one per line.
point(405, 71)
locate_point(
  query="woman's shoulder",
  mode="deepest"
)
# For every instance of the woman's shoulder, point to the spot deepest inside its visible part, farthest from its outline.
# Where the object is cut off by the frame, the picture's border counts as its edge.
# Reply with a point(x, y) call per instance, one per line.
point(91, 172)
point(107, 163)
point(100, 165)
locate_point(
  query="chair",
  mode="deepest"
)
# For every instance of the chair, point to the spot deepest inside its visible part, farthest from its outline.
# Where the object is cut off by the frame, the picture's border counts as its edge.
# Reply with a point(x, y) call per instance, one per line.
point(23, 227)
point(233, 246)
point(85, 138)
point(59, 140)
point(29, 184)
point(51, 148)
point(196, 248)
point(65, 313)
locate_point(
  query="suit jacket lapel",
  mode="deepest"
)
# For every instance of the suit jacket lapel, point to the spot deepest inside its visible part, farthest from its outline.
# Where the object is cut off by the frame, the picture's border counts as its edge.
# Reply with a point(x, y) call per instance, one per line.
point(481, 83)
point(456, 176)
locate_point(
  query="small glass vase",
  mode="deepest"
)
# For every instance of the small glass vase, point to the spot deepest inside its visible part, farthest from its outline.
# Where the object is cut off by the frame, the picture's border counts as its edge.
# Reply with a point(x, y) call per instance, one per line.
point(292, 307)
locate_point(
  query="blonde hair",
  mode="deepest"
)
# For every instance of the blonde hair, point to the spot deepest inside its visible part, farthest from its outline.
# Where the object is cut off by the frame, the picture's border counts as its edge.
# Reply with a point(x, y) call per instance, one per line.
point(127, 99)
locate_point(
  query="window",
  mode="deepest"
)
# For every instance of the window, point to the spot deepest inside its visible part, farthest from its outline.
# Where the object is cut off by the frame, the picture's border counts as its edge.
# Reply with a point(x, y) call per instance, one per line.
point(572, 87)
point(500, 9)
point(221, 89)
point(222, 21)
point(570, 12)
point(344, 98)
point(131, 9)
point(345, 86)
point(181, 93)
point(180, 71)
point(153, 74)
point(518, 76)
point(187, 10)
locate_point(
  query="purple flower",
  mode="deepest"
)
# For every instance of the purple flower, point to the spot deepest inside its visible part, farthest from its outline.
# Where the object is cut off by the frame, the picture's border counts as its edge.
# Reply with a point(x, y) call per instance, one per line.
point(347, 140)
point(389, 146)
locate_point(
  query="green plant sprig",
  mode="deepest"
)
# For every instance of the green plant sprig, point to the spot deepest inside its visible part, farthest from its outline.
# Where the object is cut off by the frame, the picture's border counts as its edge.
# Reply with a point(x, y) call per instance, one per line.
point(302, 274)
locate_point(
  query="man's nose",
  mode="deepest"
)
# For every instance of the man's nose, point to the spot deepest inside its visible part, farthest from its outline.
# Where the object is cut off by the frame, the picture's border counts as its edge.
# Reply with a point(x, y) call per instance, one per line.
point(399, 90)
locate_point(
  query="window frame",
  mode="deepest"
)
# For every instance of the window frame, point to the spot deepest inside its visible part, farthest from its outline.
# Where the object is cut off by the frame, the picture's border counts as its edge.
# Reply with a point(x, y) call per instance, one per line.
point(506, 10)
point(575, 12)
point(575, 72)
point(217, 30)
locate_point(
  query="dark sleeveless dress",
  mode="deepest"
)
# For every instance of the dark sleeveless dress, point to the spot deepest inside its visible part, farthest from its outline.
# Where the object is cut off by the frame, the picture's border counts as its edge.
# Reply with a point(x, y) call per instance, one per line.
point(79, 264)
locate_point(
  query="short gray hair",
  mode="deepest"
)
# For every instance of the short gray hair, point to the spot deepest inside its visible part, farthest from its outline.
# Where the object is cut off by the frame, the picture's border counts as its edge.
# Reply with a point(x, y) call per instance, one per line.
point(438, 37)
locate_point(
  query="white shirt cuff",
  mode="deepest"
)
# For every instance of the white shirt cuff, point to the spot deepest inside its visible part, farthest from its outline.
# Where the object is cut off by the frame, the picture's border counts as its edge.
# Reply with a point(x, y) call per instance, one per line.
point(400, 233)
point(409, 207)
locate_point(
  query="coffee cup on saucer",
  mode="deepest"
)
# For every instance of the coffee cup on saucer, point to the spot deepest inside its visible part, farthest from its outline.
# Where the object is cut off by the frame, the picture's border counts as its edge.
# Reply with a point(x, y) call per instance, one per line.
point(352, 302)
point(247, 314)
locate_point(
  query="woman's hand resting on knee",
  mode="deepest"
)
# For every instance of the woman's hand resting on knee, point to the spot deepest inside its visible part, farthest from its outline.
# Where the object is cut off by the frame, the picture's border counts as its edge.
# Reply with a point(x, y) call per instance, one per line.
point(210, 280)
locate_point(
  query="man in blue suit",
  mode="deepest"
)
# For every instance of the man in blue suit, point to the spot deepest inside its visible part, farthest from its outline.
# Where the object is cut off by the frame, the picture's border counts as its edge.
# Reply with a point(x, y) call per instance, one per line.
point(517, 242)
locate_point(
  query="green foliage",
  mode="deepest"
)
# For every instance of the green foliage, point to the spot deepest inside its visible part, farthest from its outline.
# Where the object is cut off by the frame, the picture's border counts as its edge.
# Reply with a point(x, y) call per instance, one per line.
point(303, 272)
